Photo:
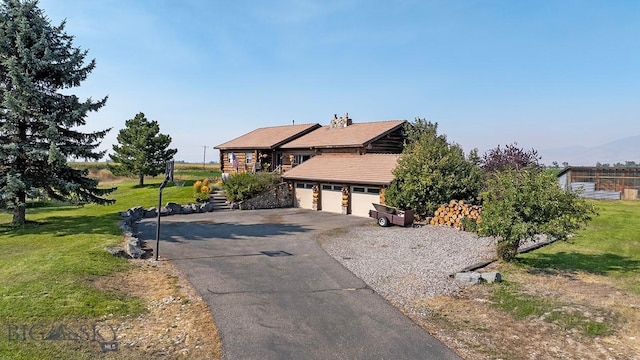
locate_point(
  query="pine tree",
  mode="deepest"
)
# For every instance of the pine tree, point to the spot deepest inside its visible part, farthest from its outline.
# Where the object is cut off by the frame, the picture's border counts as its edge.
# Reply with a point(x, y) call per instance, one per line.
point(37, 121)
point(142, 150)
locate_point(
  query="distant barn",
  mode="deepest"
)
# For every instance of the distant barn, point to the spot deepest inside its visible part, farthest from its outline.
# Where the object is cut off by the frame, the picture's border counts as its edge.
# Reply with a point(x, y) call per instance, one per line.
point(602, 182)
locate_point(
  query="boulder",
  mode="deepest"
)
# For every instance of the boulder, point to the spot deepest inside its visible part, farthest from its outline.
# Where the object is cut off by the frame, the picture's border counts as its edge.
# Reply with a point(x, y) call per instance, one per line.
point(468, 278)
point(492, 276)
point(207, 207)
point(136, 212)
point(116, 250)
point(134, 252)
point(164, 211)
point(151, 212)
point(173, 208)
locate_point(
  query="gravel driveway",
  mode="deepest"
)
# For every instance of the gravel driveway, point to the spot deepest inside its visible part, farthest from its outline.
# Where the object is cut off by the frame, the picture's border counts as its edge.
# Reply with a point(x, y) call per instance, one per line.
point(404, 264)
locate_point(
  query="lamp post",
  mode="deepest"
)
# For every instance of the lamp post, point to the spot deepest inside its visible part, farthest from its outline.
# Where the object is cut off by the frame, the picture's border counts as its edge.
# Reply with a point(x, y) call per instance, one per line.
point(168, 176)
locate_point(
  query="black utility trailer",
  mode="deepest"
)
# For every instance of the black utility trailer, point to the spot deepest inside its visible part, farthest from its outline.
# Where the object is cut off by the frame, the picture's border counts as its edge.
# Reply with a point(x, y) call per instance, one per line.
point(387, 215)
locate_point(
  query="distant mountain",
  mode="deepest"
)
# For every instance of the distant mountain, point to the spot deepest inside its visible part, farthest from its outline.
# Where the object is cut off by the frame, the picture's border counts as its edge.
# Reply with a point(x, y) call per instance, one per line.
point(626, 149)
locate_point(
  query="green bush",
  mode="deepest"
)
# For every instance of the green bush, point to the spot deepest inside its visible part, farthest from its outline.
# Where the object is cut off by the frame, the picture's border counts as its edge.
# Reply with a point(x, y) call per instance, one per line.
point(432, 171)
point(244, 186)
point(519, 204)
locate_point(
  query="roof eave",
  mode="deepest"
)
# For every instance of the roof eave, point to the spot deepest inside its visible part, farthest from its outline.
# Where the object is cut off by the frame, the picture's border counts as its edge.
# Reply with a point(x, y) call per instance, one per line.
point(350, 182)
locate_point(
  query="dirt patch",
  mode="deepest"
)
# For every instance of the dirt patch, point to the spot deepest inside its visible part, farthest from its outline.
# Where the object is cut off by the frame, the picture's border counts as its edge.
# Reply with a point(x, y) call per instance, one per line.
point(476, 329)
point(177, 323)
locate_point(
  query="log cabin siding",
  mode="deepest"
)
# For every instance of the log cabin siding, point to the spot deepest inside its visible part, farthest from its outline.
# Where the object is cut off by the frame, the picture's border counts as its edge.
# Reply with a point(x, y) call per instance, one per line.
point(392, 143)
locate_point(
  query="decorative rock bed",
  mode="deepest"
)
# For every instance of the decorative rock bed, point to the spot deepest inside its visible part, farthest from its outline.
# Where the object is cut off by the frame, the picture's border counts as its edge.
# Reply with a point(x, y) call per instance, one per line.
point(133, 247)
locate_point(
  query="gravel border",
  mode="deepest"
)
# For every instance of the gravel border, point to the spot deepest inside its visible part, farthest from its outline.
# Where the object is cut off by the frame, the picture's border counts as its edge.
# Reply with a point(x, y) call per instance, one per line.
point(408, 264)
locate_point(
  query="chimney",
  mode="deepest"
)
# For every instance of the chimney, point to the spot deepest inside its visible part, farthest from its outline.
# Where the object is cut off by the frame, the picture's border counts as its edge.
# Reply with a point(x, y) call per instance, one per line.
point(340, 122)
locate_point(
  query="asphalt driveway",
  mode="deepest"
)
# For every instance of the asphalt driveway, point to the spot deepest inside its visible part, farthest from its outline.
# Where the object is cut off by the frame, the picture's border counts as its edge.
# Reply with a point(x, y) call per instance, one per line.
point(275, 294)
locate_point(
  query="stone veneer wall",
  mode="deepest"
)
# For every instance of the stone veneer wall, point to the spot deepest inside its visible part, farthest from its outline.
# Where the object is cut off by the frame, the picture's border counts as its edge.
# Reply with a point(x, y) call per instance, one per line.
point(278, 197)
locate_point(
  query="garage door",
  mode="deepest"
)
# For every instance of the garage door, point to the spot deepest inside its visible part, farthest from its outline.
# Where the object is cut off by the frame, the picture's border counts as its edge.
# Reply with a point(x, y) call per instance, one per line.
point(361, 199)
point(331, 198)
point(304, 195)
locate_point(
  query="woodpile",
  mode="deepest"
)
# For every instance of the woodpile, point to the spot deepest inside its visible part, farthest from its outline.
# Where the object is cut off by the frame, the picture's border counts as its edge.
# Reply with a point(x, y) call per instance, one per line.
point(451, 214)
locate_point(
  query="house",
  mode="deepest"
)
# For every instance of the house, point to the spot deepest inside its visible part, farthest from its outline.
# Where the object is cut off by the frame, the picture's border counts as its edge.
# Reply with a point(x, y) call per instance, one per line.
point(342, 183)
point(602, 182)
point(342, 167)
point(260, 148)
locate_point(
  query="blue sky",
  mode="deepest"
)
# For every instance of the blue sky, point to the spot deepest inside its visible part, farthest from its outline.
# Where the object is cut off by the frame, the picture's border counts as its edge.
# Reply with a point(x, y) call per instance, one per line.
point(544, 74)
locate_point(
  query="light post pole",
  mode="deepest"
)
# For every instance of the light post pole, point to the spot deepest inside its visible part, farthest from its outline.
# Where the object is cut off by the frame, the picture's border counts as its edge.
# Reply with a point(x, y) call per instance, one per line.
point(168, 176)
point(204, 157)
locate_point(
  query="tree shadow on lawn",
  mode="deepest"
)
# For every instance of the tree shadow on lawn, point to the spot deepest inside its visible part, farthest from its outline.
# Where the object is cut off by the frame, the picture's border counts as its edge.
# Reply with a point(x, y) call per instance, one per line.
point(66, 225)
point(601, 264)
point(180, 232)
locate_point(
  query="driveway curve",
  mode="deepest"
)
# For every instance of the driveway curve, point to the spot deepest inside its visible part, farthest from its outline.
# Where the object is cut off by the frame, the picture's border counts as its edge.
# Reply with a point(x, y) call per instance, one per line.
point(275, 294)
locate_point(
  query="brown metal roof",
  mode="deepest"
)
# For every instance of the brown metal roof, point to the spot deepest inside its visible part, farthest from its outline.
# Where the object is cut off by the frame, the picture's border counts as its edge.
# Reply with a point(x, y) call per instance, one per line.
point(267, 137)
point(354, 135)
point(368, 169)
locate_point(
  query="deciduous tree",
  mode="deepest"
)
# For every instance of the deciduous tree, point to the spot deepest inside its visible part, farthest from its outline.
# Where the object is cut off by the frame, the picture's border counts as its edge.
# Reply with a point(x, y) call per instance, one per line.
point(519, 204)
point(432, 171)
point(509, 157)
point(142, 149)
point(38, 122)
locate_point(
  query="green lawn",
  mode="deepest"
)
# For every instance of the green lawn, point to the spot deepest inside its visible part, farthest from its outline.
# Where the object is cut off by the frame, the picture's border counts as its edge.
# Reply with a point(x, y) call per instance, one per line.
point(46, 267)
point(609, 246)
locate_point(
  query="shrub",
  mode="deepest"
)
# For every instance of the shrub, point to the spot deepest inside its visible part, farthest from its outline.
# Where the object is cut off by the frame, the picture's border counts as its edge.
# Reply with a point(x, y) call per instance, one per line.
point(244, 186)
point(197, 185)
point(201, 190)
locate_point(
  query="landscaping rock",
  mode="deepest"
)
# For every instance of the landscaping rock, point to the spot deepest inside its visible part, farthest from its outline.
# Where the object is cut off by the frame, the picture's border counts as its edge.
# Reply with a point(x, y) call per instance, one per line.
point(174, 208)
point(207, 207)
point(116, 250)
point(468, 278)
point(151, 213)
point(133, 251)
point(136, 212)
point(491, 277)
point(135, 248)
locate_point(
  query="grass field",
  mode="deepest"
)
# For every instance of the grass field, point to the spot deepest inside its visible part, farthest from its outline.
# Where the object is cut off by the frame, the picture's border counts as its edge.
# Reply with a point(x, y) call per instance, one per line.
point(47, 266)
point(609, 246)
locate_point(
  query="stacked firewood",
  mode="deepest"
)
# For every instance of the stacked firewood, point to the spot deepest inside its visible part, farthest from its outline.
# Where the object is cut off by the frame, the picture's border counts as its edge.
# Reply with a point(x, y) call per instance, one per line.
point(451, 214)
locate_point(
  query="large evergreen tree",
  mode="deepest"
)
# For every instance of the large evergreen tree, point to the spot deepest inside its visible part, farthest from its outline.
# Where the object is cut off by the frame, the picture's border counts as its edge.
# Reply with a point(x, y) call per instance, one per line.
point(142, 150)
point(37, 121)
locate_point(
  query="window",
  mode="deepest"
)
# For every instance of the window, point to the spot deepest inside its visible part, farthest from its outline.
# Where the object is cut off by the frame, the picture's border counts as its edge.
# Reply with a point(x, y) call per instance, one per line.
point(299, 159)
point(248, 158)
point(362, 190)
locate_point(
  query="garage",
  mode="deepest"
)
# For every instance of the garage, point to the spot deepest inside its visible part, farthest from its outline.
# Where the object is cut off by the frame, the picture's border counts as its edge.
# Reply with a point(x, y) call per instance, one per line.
point(364, 175)
point(361, 199)
point(331, 198)
point(304, 195)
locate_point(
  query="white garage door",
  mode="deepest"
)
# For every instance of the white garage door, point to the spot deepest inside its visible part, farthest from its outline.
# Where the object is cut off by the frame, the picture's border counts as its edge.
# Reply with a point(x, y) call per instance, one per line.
point(331, 198)
point(361, 199)
point(304, 195)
